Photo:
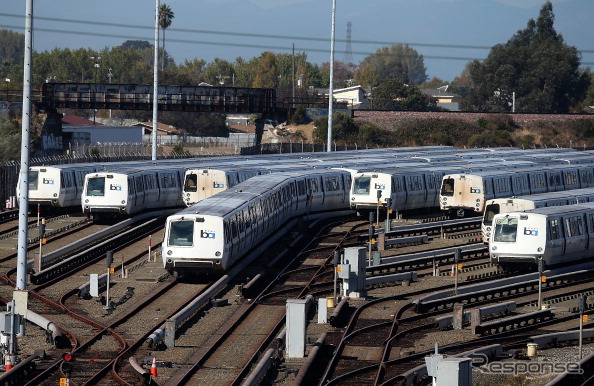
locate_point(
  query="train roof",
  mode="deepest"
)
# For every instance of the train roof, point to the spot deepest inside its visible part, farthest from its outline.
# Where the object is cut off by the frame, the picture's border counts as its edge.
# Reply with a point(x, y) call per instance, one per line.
point(547, 196)
point(552, 210)
point(226, 201)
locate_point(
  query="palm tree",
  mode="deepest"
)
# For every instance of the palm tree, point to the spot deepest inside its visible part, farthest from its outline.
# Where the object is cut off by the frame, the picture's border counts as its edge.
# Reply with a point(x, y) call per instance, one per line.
point(166, 16)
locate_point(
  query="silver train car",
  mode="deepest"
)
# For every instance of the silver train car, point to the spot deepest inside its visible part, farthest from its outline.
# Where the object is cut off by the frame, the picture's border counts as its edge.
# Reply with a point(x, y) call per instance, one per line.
point(217, 232)
point(467, 193)
point(529, 202)
point(408, 188)
point(556, 235)
point(128, 191)
point(202, 183)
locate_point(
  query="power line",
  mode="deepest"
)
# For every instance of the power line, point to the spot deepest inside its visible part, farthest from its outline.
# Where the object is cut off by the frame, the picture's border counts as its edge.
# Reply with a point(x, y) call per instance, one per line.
point(242, 34)
point(211, 43)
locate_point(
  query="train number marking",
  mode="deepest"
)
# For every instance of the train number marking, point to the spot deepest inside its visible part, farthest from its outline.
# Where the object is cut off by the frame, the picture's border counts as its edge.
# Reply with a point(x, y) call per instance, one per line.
point(218, 185)
point(475, 190)
point(48, 181)
point(530, 232)
point(380, 186)
point(115, 187)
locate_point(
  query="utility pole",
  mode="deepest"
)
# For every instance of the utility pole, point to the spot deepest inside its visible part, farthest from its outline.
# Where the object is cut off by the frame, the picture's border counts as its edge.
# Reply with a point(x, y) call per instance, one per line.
point(22, 244)
point(331, 88)
point(156, 83)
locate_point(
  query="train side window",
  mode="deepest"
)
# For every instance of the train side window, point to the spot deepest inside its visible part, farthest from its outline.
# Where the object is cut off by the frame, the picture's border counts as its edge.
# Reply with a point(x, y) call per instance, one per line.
point(571, 177)
point(574, 226)
point(398, 183)
point(234, 230)
point(554, 229)
point(586, 177)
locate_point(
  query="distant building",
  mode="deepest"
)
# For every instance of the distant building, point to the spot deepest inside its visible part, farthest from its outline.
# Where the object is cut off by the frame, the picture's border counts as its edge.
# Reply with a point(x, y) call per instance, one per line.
point(77, 131)
point(445, 99)
point(355, 96)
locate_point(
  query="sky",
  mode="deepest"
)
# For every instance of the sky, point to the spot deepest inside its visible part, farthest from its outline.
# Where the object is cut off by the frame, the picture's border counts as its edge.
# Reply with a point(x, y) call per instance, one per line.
point(448, 33)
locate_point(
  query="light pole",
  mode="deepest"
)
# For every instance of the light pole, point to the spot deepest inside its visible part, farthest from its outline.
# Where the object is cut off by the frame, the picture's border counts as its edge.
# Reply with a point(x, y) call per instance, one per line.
point(96, 60)
point(109, 75)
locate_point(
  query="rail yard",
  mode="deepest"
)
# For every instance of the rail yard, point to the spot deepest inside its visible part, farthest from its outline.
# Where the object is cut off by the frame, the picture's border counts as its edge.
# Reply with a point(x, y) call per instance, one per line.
point(303, 295)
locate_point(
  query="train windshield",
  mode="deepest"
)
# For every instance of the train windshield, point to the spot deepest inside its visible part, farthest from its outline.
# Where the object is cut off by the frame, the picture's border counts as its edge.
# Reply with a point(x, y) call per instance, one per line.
point(33, 179)
point(506, 230)
point(191, 184)
point(490, 212)
point(96, 186)
point(447, 188)
point(181, 233)
point(361, 185)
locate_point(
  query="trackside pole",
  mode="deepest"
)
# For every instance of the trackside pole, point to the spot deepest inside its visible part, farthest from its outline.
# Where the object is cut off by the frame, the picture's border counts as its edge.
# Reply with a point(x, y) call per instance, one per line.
point(149, 249)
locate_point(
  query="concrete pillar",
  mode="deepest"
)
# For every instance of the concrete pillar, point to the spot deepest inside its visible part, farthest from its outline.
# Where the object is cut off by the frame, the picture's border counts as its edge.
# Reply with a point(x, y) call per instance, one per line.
point(296, 327)
point(458, 319)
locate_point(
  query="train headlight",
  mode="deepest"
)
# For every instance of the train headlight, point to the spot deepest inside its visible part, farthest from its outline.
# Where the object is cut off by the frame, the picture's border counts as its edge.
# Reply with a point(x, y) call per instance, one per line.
point(169, 252)
point(55, 194)
point(353, 199)
point(123, 202)
point(217, 254)
point(488, 229)
point(488, 234)
point(478, 204)
point(539, 249)
point(493, 248)
point(87, 201)
point(478, 200)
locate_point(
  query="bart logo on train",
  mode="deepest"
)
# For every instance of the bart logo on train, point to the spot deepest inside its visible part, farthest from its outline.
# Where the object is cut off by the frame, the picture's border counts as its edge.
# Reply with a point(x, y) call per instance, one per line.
point(48, 181)
point(380, 186)
point(207, 235)
point(530, 232)
point(475, 190)
point(218, 185)
point(115, 187)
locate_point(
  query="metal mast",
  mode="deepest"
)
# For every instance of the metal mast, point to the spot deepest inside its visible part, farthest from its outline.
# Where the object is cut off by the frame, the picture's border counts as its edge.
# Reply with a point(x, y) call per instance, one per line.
point(156, 83)
point(331, 88)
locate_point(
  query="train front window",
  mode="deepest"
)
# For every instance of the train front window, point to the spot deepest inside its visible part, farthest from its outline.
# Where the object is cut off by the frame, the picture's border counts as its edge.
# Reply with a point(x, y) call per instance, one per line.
point(181, 233)
point(96, 186)
point(33, 180)
point(447, 188)
point(361, 185)
point(490, 212)
point(191, 184)
point(506, 230)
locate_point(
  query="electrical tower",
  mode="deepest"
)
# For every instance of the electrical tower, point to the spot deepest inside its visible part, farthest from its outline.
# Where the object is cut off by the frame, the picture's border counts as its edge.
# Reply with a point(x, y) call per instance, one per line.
point(348, 52)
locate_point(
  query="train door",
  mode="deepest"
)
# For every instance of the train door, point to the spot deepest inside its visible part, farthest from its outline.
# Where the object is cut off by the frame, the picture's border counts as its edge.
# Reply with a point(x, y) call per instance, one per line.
point(416, 192)
point(555, 240)
point(132, 199)
point(554, 180)
point(538, 182)
point(398, 192)
point(520, 184)
point(576, 238)
point(139, 187)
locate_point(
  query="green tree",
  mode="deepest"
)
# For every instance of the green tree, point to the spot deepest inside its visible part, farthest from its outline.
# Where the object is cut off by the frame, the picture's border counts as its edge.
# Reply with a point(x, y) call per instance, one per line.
point(536, 65)
point(398, 62)
point(267, 72)
point(166, 17)
point(392, 94)
point(343, 128)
